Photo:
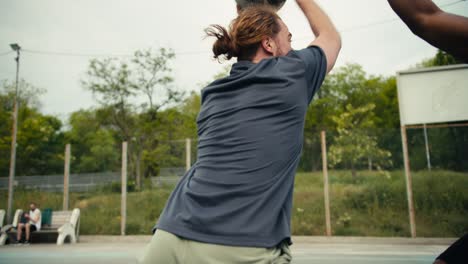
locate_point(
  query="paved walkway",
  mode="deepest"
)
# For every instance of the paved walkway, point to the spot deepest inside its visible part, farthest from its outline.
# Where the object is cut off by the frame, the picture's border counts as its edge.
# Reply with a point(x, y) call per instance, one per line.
point(306, 250)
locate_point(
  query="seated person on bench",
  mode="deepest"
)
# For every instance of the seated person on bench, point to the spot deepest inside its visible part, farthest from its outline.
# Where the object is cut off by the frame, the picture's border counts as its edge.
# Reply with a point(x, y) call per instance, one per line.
point(30, 222)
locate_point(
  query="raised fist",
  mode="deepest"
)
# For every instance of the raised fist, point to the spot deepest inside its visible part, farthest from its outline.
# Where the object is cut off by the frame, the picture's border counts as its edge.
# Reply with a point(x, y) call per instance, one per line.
point(277, 4)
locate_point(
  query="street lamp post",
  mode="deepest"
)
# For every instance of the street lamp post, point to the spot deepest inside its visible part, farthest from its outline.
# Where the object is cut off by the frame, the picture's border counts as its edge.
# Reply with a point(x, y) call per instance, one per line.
point(11, 178)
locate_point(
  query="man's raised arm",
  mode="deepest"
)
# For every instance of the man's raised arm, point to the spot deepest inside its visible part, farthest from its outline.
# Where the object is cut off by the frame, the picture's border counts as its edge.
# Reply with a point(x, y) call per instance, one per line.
point(327, 37)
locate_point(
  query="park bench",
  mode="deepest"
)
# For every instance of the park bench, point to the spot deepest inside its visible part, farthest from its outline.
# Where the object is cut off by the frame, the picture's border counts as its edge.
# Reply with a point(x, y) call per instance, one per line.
point(7, 228)
point(65, 226)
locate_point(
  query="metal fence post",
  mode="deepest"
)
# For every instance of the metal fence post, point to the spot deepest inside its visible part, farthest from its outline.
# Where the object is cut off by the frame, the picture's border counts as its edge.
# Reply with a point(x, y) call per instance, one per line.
point(428, 154)
point(123, 209)
point(409, 182)
point(326, 191)
point(66, 178)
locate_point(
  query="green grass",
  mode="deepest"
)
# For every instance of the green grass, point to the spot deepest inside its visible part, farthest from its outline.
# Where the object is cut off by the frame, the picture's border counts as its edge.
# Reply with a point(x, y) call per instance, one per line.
point(372, 204)
point(376, 205)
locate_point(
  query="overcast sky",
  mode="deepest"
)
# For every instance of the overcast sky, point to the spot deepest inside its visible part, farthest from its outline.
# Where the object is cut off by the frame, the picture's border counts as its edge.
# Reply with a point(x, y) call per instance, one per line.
point(64, 29)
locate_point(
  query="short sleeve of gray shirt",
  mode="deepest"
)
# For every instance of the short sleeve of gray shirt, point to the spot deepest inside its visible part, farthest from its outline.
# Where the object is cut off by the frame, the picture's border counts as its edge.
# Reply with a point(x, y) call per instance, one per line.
point(316, 67)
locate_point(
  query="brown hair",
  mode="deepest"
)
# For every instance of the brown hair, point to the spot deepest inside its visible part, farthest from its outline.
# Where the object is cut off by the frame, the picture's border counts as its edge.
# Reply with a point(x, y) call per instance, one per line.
point(245, 33)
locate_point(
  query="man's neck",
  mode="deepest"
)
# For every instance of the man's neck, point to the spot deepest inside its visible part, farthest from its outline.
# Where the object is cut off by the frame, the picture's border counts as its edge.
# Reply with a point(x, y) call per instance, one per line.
point(261, 54)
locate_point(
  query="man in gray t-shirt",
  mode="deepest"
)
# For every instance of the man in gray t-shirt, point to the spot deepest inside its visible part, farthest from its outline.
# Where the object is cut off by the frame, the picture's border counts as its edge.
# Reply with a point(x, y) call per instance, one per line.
point(250, 132)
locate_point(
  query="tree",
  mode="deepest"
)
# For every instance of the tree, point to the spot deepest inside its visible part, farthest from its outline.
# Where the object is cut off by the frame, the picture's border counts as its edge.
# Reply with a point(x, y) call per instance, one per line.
point(190, 107)
point(95, 147)
point(116, 82)
point(153, 77)
point(349, 85)
point(355, 142)
point(441, 58)
point(40, 149)
point(39, 138)
point(109, 81)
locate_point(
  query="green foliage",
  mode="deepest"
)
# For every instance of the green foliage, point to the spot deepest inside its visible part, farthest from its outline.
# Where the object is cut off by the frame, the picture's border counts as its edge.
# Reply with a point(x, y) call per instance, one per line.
point(115, 83)
point(137, 102)
point(152, 77)
point(28, 94)
point(371, 206)
point(40, 142)
point(376, 206)
point(109, 81)
point(191, 105)
point(94, 145)
point(349, 88)
point(441, 58)
point(354, 142)
point(116, 187)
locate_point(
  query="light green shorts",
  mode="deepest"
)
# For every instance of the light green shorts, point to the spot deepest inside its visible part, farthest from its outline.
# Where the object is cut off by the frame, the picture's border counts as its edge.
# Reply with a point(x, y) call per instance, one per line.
point(166, 248)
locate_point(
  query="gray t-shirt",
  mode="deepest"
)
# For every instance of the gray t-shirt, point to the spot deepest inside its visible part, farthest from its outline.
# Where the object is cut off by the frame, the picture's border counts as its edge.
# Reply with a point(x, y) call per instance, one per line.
point(250, 133)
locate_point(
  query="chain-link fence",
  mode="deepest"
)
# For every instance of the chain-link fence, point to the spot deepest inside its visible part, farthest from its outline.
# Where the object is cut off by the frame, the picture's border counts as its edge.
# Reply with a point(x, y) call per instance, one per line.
point(367, 187)
point(98, 193)
point(368, 195)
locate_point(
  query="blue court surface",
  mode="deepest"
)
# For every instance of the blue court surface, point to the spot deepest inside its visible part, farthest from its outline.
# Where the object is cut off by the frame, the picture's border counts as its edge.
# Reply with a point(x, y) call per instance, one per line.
point(305, 250)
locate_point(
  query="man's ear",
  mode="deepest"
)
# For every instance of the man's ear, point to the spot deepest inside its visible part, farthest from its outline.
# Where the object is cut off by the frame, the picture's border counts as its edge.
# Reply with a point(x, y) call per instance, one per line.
point(268, 45)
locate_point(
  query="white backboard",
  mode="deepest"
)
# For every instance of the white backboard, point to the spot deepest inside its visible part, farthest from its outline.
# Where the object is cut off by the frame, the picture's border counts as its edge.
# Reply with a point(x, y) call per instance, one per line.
point(433, 95)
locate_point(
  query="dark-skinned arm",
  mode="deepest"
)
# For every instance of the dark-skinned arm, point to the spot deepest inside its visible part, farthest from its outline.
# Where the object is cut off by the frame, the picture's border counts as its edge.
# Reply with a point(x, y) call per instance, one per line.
point(446, 31)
